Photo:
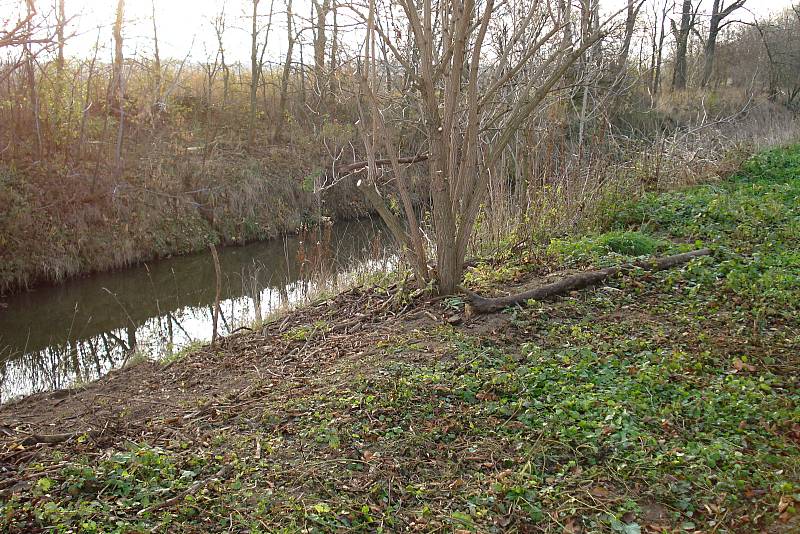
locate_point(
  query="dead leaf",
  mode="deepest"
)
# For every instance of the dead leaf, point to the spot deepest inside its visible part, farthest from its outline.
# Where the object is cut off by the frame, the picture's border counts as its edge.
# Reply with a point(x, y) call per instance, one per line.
point(628, 517)
point(503, 474)
point(784, 503)
point(739, 365)
point(572, 526)
point(486, 396)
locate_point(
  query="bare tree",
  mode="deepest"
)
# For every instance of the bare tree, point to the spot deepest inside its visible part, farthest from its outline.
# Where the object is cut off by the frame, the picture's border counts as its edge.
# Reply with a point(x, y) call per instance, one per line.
point(658, 38)
point(719, 13)
point(632, 15)
point(30, 71)
point(772, 90)
point(334, 59)
point(254, 74)
point(219, 30)
point(20, 32)
point(157, 84)
point(466, 128)
point(87, 104)
point(780, 36)
point(256, 63)
point(287, 71)
point(61, 22)
point(321, 10)
point(119, 84)
point(590, 18)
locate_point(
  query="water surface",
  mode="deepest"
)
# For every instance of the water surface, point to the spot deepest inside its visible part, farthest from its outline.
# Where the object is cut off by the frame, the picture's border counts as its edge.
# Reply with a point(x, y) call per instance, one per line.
point(54, 337)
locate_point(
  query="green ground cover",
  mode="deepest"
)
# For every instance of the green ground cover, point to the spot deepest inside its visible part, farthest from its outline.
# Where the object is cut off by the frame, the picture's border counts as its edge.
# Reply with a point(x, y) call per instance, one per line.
point(661, 402)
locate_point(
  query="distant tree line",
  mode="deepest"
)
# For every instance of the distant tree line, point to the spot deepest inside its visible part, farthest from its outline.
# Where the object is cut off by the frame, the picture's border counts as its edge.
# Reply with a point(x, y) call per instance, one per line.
point(480, 95)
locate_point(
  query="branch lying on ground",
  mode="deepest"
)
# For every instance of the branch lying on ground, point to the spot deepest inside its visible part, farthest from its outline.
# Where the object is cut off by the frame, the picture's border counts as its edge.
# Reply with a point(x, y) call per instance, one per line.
point(361, 165)
point(480, 304)
point(54, 439)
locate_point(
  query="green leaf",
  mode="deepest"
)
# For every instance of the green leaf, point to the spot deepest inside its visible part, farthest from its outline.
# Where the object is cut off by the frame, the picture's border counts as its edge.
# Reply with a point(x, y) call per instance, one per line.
point(45, 484)
point(625, 528)
point(322, 508)
point(462, 517)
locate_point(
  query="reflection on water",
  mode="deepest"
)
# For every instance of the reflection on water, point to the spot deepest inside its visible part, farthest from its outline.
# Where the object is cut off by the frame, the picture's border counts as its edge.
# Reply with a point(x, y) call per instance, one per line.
point(53, 337)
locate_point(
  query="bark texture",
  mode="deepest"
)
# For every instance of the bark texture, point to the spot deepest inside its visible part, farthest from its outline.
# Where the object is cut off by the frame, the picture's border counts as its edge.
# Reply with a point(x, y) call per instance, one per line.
point(679, 75)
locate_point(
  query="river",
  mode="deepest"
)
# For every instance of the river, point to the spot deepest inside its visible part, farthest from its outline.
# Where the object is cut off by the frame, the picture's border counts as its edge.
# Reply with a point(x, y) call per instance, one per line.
point(56, 337)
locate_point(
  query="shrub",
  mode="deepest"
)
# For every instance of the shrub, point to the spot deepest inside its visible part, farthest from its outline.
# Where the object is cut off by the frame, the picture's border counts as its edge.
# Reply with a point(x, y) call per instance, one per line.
point(614, 242)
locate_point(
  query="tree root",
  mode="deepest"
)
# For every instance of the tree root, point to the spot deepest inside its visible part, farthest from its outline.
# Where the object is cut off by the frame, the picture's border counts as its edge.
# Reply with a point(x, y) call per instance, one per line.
point(480, 304)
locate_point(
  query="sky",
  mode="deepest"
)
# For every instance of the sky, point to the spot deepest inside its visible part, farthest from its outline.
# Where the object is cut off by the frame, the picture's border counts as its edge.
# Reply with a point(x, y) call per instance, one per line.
point(185, 25)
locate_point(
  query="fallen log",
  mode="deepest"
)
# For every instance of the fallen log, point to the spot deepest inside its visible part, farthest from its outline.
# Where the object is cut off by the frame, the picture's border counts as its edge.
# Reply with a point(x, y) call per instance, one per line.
point(55, 439)
point(480, 304)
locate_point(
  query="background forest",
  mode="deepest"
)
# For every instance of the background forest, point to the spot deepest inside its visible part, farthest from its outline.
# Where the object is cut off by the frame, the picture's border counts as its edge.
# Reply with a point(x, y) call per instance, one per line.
point(118, 153)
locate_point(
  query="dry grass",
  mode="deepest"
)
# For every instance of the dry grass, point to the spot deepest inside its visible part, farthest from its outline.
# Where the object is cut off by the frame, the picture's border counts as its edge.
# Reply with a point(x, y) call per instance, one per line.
point(570, 192)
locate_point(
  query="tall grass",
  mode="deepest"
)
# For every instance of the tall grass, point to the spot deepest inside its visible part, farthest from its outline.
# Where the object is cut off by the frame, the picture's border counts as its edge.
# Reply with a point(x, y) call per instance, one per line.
point(570, 192)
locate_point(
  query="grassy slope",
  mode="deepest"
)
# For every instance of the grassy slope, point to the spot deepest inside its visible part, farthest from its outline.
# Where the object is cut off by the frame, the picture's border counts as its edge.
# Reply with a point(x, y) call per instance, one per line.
point(665, 401)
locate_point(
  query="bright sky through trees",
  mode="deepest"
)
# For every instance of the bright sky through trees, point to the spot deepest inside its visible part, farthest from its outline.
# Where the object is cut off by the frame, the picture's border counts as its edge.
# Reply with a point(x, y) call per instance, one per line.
point(185, 25)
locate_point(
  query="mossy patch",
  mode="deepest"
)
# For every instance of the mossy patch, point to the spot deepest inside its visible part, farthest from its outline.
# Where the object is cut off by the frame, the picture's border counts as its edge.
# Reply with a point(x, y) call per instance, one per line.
point(620, 242)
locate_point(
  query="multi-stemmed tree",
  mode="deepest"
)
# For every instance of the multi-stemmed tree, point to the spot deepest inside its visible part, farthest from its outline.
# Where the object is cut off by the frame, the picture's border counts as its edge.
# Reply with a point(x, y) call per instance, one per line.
point(478, 71)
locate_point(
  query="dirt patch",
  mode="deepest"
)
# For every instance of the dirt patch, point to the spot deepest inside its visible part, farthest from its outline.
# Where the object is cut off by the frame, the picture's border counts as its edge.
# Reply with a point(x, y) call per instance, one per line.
point(310, 348)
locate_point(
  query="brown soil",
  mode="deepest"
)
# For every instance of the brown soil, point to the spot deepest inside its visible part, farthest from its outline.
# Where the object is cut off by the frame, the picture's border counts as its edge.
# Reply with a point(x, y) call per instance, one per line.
point(307, 351)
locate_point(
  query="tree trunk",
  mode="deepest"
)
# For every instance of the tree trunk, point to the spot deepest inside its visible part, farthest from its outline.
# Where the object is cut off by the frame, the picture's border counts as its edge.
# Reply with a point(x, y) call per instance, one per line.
point(33, 92)
point(589, 18)
point(682, 43)
point(254, 74)
point(717, 16)
point(320, 43)
point(60, 23)
point(656, 83)
point(157, 58)
point(287, 72)
point(630, 27)
point(450, 267)
point(334, 62)
point(62, 114)
point(119, 86)
point(87, 103)
point(219, 29)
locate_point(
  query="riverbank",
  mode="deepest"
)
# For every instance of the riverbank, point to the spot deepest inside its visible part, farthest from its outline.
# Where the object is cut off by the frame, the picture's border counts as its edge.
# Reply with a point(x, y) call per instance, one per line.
point(75, 332)
point(82, 222)
point(659, 402)
point(66, 217)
